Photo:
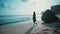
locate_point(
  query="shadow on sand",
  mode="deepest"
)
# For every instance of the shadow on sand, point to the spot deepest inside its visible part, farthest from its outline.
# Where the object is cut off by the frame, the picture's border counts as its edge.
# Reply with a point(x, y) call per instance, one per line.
point(29, 31)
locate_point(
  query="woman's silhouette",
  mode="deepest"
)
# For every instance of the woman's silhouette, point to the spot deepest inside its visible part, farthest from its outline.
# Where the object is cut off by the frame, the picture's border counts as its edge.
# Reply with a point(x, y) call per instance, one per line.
point(34, 18)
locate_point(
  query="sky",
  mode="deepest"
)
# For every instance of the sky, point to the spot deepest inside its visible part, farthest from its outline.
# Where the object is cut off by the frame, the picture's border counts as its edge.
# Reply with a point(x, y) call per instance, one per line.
point(25, 7)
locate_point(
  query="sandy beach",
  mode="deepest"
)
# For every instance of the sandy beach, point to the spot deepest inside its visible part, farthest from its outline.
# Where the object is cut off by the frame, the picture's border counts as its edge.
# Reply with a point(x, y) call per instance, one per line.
point(25, 28)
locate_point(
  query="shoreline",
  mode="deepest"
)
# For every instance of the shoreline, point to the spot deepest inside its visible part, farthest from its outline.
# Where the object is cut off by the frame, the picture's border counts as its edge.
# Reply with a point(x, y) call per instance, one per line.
point(14, 24)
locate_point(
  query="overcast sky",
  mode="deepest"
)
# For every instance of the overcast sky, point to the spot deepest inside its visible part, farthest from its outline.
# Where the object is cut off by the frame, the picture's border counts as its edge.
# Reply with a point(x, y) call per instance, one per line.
point(25, 7)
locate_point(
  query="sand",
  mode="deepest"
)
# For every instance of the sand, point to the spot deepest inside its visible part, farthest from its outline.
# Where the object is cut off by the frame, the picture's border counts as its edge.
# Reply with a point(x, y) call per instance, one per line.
point(25, 28)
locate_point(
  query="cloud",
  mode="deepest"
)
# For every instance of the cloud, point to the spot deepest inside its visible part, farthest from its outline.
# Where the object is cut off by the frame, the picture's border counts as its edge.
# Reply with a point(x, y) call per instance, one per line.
point(5, 5)
point(24, 0)
point(2, 5)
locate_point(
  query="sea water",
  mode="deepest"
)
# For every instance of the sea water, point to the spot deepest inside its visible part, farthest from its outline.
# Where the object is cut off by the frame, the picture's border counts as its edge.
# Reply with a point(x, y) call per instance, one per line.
point(12, 19)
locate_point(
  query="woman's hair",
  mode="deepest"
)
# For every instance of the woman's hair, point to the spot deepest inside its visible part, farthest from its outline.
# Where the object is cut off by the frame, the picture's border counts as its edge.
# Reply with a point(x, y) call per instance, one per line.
point(34, 12)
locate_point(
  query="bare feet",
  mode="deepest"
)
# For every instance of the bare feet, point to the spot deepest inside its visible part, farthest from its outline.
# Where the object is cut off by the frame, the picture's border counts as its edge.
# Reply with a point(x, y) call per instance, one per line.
point(35, 24)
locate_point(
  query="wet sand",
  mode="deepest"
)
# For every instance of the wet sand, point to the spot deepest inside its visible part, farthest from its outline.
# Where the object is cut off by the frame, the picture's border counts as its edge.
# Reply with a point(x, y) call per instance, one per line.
point(26, 28)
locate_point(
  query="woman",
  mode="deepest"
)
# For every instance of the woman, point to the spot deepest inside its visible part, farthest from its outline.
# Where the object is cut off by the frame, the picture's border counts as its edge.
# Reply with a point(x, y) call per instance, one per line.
point(34, 17)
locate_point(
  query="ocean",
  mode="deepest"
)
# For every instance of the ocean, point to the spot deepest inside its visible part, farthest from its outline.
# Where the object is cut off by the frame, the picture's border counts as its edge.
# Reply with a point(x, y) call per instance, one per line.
point(7, 19)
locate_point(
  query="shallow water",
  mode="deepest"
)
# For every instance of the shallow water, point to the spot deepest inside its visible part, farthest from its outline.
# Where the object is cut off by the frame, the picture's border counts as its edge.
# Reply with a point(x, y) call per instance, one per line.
point(13, 18)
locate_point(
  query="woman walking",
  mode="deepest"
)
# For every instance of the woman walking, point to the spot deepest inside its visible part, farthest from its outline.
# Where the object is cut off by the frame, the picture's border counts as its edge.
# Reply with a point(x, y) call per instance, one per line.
point(34, 18)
